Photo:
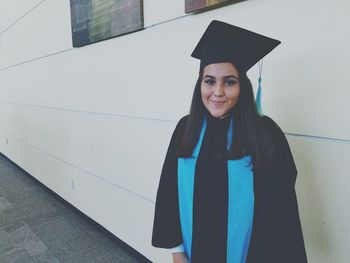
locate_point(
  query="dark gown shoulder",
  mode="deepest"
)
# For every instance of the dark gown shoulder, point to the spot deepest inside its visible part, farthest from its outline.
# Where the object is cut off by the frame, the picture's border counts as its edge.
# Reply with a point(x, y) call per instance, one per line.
point(276, 133)
point(182, 121)
point(283, 156)
point(277, 234)
point(166, 226)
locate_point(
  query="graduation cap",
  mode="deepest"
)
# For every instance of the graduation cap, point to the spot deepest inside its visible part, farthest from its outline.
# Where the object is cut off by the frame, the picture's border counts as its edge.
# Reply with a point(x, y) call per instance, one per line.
point(222, 42)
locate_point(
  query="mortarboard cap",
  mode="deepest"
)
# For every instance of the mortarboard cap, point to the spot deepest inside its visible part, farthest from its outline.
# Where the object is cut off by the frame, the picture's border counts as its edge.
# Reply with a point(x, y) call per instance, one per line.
point(222, 42)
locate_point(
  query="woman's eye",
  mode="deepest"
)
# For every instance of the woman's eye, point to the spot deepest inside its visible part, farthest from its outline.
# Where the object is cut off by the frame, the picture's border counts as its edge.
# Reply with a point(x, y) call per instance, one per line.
point(209, 82)
point(231, 82)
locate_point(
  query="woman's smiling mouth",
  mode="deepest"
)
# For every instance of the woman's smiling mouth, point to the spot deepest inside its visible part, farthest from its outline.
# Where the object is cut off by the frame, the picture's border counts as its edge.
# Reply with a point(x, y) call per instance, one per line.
point(217, 103)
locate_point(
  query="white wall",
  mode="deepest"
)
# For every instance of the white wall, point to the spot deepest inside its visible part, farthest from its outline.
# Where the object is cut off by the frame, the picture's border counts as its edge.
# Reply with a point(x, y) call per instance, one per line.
point(102, 115)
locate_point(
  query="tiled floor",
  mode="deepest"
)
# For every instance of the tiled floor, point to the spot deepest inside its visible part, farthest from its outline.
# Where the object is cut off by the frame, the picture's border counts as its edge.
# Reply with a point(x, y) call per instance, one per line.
point(35, 226)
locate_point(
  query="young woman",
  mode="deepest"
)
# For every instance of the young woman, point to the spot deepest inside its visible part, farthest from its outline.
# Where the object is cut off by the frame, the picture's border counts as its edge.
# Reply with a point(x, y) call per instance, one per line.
point(226, 192)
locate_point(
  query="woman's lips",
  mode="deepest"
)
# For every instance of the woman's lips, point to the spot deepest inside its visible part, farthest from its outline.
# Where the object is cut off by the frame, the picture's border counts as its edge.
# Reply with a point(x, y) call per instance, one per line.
point(217, 103)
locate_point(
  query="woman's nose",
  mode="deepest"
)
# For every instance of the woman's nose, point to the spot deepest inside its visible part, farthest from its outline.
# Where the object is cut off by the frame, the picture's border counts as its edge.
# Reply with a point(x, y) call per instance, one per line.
point(219, 91)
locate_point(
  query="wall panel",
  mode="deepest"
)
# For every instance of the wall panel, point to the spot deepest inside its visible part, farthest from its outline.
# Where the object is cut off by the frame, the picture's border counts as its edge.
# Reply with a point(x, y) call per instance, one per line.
point(13, 10)
point(158, 11)
point(44, 31)
point(126, 152)
point(322, 189)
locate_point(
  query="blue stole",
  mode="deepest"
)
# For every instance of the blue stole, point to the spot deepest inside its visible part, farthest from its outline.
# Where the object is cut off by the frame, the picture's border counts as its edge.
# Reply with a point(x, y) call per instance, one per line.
point(240, 200)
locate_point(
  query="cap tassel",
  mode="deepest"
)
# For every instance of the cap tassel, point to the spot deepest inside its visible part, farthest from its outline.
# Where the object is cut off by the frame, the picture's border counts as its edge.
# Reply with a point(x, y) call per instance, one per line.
point(258, 98)
point(258, 94)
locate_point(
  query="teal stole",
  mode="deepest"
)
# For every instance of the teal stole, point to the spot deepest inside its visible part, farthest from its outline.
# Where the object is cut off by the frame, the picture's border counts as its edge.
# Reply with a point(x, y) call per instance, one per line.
point(240, 200)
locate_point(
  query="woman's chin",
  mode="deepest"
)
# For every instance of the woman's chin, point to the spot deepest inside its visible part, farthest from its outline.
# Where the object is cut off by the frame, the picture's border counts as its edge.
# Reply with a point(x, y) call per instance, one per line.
point(217, 114)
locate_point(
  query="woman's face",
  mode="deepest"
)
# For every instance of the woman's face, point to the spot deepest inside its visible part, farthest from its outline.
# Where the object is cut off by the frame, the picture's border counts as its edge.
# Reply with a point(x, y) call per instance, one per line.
point(220, 88)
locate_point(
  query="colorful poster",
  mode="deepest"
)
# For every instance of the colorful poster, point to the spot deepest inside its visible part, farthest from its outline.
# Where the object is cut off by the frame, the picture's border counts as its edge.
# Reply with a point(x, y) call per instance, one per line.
point(97, 20)
point(195, 5)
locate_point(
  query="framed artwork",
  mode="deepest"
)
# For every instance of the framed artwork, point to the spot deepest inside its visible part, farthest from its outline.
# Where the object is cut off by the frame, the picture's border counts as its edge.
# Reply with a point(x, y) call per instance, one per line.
point(195, 5)
point(97, 20)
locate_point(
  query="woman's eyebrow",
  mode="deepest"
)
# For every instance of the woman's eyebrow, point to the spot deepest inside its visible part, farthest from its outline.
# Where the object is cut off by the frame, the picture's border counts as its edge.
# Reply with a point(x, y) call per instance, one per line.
point(230, 76)
point(209, 76)
point(225, 77)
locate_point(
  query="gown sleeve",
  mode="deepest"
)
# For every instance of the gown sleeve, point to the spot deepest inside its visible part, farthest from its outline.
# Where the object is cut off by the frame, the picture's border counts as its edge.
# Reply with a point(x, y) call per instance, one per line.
point(166, 225)
point(291, 243)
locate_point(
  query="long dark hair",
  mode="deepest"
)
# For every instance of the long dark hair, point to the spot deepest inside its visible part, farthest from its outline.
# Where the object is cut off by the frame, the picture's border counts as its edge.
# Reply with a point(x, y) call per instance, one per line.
point(250, 136)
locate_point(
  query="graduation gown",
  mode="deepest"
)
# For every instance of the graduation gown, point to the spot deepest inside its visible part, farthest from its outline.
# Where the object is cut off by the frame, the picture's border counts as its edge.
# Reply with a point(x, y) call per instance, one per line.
point(276, 235)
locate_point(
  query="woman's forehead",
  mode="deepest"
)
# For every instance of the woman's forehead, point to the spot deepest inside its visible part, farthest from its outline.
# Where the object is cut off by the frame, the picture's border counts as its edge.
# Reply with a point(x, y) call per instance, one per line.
point(220, 69)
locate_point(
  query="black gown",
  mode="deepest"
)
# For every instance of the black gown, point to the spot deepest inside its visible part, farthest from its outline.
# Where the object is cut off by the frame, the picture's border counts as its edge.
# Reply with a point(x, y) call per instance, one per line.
point(276, 235)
